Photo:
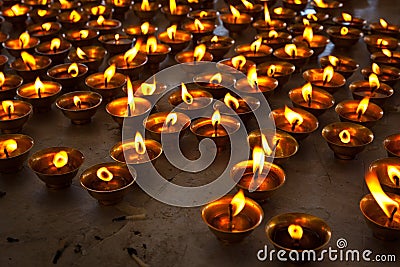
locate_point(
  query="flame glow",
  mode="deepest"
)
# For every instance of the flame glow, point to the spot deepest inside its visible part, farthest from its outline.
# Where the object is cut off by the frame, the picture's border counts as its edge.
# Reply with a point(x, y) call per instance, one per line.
point(295, 231)
point(312, 17)
point(373, 81)
point(83, 34)
point(327, 75)
point(74, 16)
point(98, 10)
point(171, 119)
point(9, 146)
point(264, 143)
point(258, 159)
point(81, 54)
point(216, 78)
point(203, 14)
point(39, 86)
point(238, 203)
point(46, 26)
point(28, 59)
point(387, 52)
point(42, 12)
point(255, 46)
point(199, 52)
point(131, 98)
point(73, 70)
point(272, 34)
point(291, 50)
point(24, 39)
point(271, 70)
point(278, 10)
point(321, 3)
point(345, 136)
point(77, 101)
point(186, 96)
point(231, 101)
point(104, 174)
point(344, 31)
point(144, 28)
point(171, 32)
point(60, 159)
point(17, 10)
point(376, 69)
point(333, 60)
point(347, 17)
point(292, 117)
point(8, 105)
point(235, 12)
point(252, 76)
point(145, 6)
point(306, 22)
point(216, 117)
point(306, 92)
point(247, 4)
point(140, 146)
point(238, 62)
point(55, 44)
point(214, 39)
point(132, 53)
point(383, 23)
point(109, 73)
point(363, 106)
point(100, 20)
point(198, 25)
point(308, 34)
point(267, 16)
point(2, 78)
point(393, 172)
point(172, 6)
point(151, 44)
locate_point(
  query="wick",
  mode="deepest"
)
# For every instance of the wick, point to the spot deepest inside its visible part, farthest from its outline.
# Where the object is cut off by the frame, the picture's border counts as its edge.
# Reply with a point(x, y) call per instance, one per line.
point(373, 88)
point(173, 37)
point(55, 50)
point(169, 123)
point(9, 113)
point(105, 83)
point(339, 63)
point(307, 42)
point(80, 36)
point(230, 216)
point(397, 180)
point(325, 81)
point(276, 144)
point(39, 93)
point(21, 43)
point(6, 153)
point(216, 129)
point(13, 12)
point(359, 115)
point(294, 124)
point(392, 215)
point(29, 66)
point(195, 60)
point(256, 85)
point(293, 55)
point(234, 20)
point(129, 110)
point(79, 105)
point(309, 100)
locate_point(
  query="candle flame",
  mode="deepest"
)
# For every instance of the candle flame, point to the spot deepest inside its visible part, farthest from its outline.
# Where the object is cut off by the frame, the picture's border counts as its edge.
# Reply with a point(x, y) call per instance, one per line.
point(109, 73)
point(77, 101)
point(28, 59)
point(291, 49)
point(73, 70)
point(172, 6)
point(9, 146)
point(171, 32)
point(255, 46)
point(55, 44)
point(39, 86)
point(252, 77)
point(376, 69)
point(214, 39)
point(278, 10)
point(387, 52)
point(46, 26)
point(363, 106)
point(238, 62)
point(306, 92)
point(116, 36)
point(387, 204)
point(98, 10)
point(265, 146)
point(328, 74)
point(140, 146)
point(60, 159)
point(198, 25)
point(8, 105)
point(17, 10)
point(81, 54)
point(83, 34)
point(312, 17)
point(2, 78)
point(273, 34)
point(24, 39)
point(231, 101)
point(171, 119)
point(393, 173)
point(104, 174)
point(131, 98)
point(308, 34)
point(333, 60)
point(347, 17)
point(295, 231)
point(199, 52)
point(306, 22)
point(344, 31)
point(345, 136)
point(151, 45)
point(65, 3)
point(271, 70)
point(238, 203)
point(381, 42)
point(216, 118)
point(247, 4)
point(373, 81)
point(145, 6)
point(235, 12)
point(383, 23)
point(216, 78)
point(130, 55)
point(42, 12)
point(144, 28)
point(321, 3)
point(258, 160)
point(100, 20)
point(267, 16)
point(186, 96)
point(297, 2)
point(203, 14)
point(74, 16)
point(292, 117)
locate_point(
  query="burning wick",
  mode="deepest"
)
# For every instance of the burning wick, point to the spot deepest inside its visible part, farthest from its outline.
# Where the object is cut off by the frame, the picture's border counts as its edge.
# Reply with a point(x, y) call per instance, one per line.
point(390, 220)
point(9, 113)
point(216, 129)
point(276, 144)
point(293, 54)
point(359, 114)
point(397, 180)
point(309, 100)
point(230, 215)
point(39, 93)
point(323, 82)
point(294, 124)
point(6, 152)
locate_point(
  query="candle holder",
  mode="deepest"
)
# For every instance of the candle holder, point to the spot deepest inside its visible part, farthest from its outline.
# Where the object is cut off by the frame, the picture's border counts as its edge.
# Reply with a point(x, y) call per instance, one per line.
point(279, 70)
point(204, 15)
point(319, 17)
point(157, 124)
point(274, 39)
point(347, 111)
point(56, 49)
point(386, 74)
point(265, 85)
point(273, 177)
point(177, 16)
point(302, 123)
point(65, 5)
point(13, 161)
point(343, 36)
point(298, 56)
point(92, 57)
point(81, 38)
point(142, 31)
point(387, 170)
point(146, 13)
point(44, 31)
point(72, 19)
point(361, 89)
point(216, 216)
point(254, 10)
point(392, 145)
point(104, 26)
point(347, 139)
point(108, 192)
point(386, 57)
point(150, 91)
point(201, 101)
point(283, 149)
point(284, 14)
point(70, 76)
point(295, 5)
point(216, 84)
point(376, 218)
point(343, 65)
point(188, 57)
point(41, 15)
point(16, 14)
point(177, 40)
point(236, 24)
point(267, 26)
point(120, 7)
point(236, 66)
point(155, 52)
point(198, 29)
point(318, 102)
point(13, 121)
point(15, 46)
point(35, 66)
point(376, 43)
point(318, 79)
point(119, 110)
point(316, 233)
point(256, 53)
point(246, 107)
point(298, 28)
point(218, 46)
point(384, 28)
point(347, 20)
point(317, 43)
point(41, 95)
point(79, 106)
point(44, 163)
point(131, 68)
point(95, 11)
point(108, 90)
point(9, 86)
point(116, 43)
point(332, 7)
point(204, 128)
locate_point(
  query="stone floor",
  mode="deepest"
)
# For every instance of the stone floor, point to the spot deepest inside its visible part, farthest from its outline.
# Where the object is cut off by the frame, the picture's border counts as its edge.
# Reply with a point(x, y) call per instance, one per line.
point(46, 221)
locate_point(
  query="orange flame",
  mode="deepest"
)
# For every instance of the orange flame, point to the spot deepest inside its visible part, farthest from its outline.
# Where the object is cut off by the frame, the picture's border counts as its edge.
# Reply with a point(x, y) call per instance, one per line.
point(145, 6)
point(171, 32)
point(17, 10)
point(39, 86)
point(98, 10)
point(198, 25)
point(347, 17)
point(381, 42)
point(252, 77)
point(216, 78)
point(131, 98)
point(60, 159)
point(216, 117)
point(151, 45)
point(55, 44)
point(8, 106)
point(199, 52)
point(186, 96)
point(144, 28)
point(267, 16)
point(293, 117)
point(238, 203)
point(258, 160)
point(73, 70)
point(46, 26)
point(291, 50)
point(295, 231)
point(271, 70)
point(104, 174)
point(140, 145)
point(394, 174)
point(109, 73)
point(100, 20)
point(247, 4)
point(235, 12)
point(321, 3)
point(130, 55)
point(373, 81)
point(74, 16)
point(265, 146)
point(306, 92)
point(297, 2)
point(77, 101)
point(255, 46)
point(333, 60)
point(308, 34)
point(203, 14)
point(387, 52)
point(278, 10)
point(238, 62)
point(273, 34)
point(214, 39)
point(81, 54)
point(328, 74)
point(8, 146)
point(2, 78)
point(306, 22)
point(83, 34)
point(171, 119)
point(376, 69)
point(172, 6)
point(383, 23)
point(28, 59)
point(344, 31)
point(363, 106)
point(312, 17)
point(42, 12)
point(148, 88)
point(345, 136)
point(24, 39)
point(231, 101)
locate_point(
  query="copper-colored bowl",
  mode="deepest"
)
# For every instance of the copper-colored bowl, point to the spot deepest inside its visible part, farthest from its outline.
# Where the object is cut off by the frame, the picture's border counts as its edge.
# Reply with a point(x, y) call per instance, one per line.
point(15, 162)
point(218, 90)
point(321, 100)
point(27, 92)
point(73, 36)
point(303, 56)
point(295, 5)
point(297, 29)
point(392, 145)
point(344, 41)
point(108, 197)
point(242, 23)
point(96, 83)
point(380, 167)
point(118, 107)
point(265, 86)
point(315, 77)
point(347, 113)
point(42, 64)
point(146, 15)
point(179, 16)
point(68, 24)
point(14, 48)
point(59, 73)
point(280, 40)
point(388, 75)
point(23, 110)
point(50, 16)
point(373, 45)
point(332, 8)
point(263, 54)
point(226, 66)
point(37, 31)
point(355, 22)
point(134, 69)
point(346, 67)
point(96, 55)
point(56, 57)
point(125, 42)
point(9, 88)
point(121, 151)
point(263, 26)
point(41, 163)
point(219, 49)
point(361, 89)
point(282, 73)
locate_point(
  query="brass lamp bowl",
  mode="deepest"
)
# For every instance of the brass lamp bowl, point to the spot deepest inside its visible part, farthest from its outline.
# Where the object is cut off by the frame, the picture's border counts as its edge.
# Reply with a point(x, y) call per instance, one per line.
point(23, 110)
point(380, 167)
point(392, 145)
point(14, 163)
